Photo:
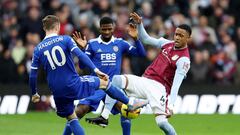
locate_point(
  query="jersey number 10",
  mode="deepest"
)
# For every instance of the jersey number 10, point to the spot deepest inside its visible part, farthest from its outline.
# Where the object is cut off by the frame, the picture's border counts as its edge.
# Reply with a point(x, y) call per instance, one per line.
point(52, 58)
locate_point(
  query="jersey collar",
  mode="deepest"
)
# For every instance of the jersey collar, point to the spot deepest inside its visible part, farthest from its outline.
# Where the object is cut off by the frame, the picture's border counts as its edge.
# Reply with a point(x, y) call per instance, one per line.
point(51, 35)
point(101, 41)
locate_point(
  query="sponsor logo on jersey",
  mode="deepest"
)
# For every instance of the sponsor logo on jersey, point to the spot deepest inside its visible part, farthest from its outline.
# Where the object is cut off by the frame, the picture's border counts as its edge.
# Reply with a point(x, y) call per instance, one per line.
point(108, 57)
point(115, 49)
point(175, 57)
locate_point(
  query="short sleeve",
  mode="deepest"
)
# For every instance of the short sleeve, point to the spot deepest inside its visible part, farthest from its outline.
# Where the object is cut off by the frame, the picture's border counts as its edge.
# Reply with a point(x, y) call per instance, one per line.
point(71, 43)
point(126, 47)
point(88, 50)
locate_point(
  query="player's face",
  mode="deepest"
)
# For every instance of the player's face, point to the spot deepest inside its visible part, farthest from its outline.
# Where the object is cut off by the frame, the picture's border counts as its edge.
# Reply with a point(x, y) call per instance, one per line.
point(181, 37)
point(106, 30)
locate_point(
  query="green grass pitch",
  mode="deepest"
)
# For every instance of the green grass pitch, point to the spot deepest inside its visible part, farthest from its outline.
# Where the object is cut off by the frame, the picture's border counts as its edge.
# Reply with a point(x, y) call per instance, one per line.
point(39, 123)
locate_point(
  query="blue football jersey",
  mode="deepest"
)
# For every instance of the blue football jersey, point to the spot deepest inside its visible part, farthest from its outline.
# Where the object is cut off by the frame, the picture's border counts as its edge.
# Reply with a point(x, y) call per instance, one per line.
point(108, 56)
point(54, 53)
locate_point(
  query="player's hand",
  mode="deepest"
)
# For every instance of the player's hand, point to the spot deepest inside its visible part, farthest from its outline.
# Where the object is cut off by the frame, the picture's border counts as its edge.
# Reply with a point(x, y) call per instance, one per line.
point(169, 111)
point(35, 98)
point(102, 75)
point(132, 31)
point(136, 18)
point(82, 42)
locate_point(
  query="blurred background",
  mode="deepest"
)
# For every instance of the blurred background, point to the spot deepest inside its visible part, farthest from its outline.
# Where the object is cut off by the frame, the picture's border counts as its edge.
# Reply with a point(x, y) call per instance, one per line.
point(214, 48)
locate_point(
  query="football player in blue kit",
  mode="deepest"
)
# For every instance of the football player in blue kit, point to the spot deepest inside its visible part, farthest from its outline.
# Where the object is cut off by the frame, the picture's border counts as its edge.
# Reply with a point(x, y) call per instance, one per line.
point(106, 52)
point(54, 53)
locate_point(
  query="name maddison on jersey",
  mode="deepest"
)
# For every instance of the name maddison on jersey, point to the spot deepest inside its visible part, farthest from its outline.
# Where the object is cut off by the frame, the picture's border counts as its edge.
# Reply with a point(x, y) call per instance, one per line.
point(108, 59)
point(45, 44)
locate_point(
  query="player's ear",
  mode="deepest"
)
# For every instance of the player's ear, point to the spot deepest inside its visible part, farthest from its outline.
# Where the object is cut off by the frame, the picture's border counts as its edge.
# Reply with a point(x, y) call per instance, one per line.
point(189, 38)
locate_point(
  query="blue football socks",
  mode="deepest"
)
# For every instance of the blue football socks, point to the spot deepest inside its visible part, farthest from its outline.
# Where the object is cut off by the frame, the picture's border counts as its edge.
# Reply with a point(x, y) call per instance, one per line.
point(76, 127)
point(126, 126)
point(67, 130)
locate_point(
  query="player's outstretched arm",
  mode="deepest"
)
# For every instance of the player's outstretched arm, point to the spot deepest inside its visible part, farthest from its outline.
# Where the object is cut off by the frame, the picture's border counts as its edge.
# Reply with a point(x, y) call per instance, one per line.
point(183, 65)
point(143, 35)
point(83, 58)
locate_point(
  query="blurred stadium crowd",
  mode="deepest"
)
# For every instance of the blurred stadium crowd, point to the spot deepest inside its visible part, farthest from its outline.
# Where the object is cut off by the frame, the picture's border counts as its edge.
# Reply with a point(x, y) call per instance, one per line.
point(215, 45)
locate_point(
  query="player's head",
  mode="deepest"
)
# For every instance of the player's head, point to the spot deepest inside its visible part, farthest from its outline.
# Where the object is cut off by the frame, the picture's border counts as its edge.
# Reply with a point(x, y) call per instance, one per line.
point(106, 27)
point(51, 23)
point(182, 35)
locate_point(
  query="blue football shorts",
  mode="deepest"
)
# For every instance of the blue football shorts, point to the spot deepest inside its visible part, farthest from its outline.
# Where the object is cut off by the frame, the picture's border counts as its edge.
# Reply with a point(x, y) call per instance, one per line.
point(85, 88)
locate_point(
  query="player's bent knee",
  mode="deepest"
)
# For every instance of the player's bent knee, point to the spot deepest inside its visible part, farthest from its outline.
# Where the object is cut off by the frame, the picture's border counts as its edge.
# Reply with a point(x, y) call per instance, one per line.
point(72, 116)
point(119, 81)
point(82, 110)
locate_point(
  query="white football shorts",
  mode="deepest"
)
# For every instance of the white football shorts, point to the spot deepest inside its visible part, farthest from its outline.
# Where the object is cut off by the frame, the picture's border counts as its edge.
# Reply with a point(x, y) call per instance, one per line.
point(151, 90)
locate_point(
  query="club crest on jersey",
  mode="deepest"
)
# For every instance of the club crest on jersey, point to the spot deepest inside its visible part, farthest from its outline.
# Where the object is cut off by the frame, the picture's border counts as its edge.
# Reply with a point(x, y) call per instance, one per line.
point(175, 57)
point(115, 49)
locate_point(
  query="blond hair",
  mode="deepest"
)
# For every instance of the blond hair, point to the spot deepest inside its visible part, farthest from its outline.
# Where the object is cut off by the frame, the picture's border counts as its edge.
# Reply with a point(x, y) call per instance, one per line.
point(50, 22)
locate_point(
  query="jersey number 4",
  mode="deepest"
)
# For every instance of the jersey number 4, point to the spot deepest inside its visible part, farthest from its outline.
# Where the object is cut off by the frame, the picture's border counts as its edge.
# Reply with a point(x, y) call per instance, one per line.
point(52, 58)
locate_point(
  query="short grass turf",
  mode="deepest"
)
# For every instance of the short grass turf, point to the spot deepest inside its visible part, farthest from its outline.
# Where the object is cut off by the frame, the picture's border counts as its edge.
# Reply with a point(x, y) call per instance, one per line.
point(47, 123)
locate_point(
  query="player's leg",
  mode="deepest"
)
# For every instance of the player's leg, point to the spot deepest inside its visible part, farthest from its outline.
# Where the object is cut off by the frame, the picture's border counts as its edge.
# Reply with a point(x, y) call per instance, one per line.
point(90, 103)
point(125, 122)
point(75, 126)
point(65, 109)
point(163, 124)
point(102, 120)
point(110, 102)
point(116, 93)
point(67, 130)
point(126, 125)
point(133, 85)
point(156, 94)
point(87, 104)
point(108, 105)
point(93, 102)
point(81, 110)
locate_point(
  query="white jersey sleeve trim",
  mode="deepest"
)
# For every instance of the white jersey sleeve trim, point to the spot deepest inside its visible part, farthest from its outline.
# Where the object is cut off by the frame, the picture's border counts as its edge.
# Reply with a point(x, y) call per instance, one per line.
point(74, 48)
point(34, 67)
point(130, 48)
point(88, 53)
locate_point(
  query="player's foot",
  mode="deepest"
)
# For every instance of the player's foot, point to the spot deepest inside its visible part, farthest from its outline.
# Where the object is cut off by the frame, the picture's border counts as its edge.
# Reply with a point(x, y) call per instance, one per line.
point(137, 103)
point(100, 121)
